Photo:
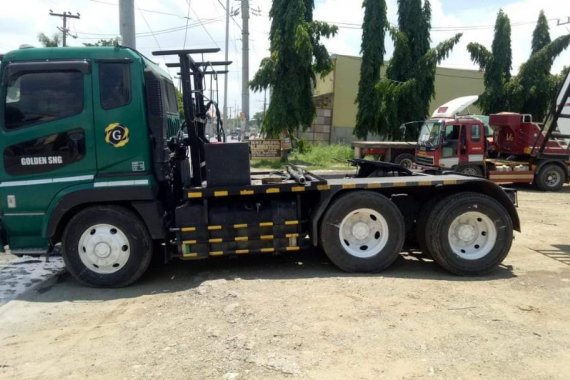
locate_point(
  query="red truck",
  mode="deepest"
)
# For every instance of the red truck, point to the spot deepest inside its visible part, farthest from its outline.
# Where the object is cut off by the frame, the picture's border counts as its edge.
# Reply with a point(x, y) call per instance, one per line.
point(523, 151)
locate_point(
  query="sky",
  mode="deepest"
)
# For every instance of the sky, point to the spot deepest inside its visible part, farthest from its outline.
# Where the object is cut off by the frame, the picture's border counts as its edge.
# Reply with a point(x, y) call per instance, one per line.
point(176, 24)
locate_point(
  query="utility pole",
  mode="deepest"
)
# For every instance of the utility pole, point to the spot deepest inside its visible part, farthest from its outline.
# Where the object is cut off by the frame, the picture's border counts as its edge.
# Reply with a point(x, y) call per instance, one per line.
point(127, 23)
point(64, 30)
point(226, 76)
point(245, 59)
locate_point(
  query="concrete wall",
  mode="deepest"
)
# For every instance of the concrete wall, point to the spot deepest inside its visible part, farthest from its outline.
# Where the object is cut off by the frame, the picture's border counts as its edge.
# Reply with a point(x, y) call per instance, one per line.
point(320, 131)
point(341, 87)
point(453, 83)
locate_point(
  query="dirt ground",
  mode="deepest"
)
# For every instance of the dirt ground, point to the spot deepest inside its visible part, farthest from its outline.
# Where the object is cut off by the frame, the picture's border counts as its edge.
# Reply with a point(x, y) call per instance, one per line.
point(299, 317)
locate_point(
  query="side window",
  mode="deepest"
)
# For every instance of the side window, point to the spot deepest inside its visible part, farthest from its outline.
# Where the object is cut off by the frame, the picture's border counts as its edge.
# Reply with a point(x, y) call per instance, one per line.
point(37, 97)
point(452, 132)
point(114, 85)
point(171, 98)
point(475, 133)
point(451, 141)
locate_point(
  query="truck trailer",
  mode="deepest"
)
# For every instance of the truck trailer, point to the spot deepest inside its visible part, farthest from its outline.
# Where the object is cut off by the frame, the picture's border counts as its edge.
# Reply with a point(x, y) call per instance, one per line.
point(96, 157)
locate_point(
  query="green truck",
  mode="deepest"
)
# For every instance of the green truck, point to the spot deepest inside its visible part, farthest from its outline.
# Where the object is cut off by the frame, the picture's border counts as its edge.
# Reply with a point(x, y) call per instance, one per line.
point(96, 157)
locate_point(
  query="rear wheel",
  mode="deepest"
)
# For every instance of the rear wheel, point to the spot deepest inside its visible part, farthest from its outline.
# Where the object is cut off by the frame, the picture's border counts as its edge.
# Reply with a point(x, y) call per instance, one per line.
point(106, 246)
point(469, 233)
point(405, 159)
point(550, 178)
point(362, 232)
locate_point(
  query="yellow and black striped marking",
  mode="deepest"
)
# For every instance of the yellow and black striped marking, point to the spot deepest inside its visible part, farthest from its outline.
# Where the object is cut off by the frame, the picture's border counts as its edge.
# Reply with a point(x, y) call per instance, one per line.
point(322, 185)
point(200, 242)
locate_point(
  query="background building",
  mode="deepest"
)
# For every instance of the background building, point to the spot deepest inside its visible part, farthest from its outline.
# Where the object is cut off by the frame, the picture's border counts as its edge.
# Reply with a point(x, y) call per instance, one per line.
point(335, 97)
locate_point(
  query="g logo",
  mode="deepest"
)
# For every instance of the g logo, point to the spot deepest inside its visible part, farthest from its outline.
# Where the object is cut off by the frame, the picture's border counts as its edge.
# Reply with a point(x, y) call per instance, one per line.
point(117, 135)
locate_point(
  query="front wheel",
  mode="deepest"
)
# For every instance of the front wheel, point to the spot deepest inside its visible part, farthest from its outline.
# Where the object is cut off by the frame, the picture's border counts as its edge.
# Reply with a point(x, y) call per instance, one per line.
point(362, 232)
point(106, 246)
point(550, 178)
point(469, 233)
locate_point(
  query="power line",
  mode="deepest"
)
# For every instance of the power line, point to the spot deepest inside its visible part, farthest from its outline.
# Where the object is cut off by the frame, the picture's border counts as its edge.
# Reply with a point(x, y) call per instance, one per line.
point(158, 32)
point(187, 20)
point(139, 9)
point(155, 39)
point(201, 23)
point(232, 14)
point(347, 25)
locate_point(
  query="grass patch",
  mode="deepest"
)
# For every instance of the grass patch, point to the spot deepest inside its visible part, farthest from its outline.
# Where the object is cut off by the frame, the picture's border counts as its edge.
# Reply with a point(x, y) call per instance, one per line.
point(274, 164)
point(316, 157)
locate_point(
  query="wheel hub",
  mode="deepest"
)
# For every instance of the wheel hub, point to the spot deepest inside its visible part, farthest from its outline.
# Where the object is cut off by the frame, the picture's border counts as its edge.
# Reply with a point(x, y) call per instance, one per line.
point(104, 248)
point(466, 233)
point(552, 179)
point(360, 230)
point(472, 235)
point(363, 232)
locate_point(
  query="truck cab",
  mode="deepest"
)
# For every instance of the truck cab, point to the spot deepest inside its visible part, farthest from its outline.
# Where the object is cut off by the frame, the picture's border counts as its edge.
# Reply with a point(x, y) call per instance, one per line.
point(80, 125)
point(452, 142)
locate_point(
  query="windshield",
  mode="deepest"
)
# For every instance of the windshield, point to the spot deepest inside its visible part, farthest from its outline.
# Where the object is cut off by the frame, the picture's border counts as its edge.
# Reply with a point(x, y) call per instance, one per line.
point(429, 135)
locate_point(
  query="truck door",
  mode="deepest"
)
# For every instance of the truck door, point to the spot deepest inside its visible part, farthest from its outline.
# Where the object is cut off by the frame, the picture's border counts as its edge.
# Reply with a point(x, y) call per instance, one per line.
point(46, 141)
point(120, 120)
point(450, 146)
point(474, 144)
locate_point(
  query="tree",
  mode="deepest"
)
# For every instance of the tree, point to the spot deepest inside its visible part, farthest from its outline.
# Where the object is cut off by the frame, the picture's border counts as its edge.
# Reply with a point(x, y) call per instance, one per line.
point(496, 65)
point(534, 88)
point(180, 102)
point(109, 42)
point(296, 55)
point(408, 88)
point(413, 39)
point(372, 49)
point(541, 34)
point(49, 42)
point(258, 117)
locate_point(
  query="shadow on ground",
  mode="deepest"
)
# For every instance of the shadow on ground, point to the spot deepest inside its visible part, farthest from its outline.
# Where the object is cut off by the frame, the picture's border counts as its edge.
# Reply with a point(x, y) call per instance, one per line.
point(532, 189)
point(558, 252)
point(180, 276)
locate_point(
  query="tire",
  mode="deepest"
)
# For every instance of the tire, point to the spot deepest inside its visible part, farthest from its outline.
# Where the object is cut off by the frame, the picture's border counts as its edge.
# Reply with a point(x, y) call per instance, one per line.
point(550, 177)
point(362, 232)
point(405, 159)
point(469, 233)
point(106, 246)
point(472, 170)
point(421, 225)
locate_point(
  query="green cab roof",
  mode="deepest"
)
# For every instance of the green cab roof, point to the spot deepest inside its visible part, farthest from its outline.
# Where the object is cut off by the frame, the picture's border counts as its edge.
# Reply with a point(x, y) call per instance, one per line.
point(87, 52)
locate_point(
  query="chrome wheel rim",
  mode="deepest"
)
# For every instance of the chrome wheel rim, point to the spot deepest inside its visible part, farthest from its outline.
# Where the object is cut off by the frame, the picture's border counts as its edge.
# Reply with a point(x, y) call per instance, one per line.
point(104, 249)
point(363, 233)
